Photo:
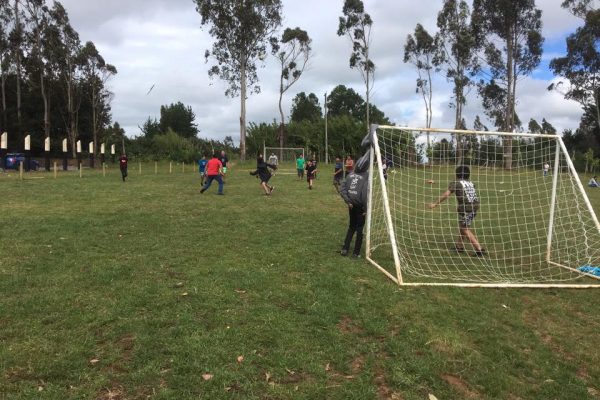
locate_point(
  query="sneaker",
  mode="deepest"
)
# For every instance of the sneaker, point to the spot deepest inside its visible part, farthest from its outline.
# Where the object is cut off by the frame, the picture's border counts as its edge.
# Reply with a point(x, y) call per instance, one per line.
point(458, 249)
point(202, 190)
point(355, 256)
point(271, 190)
point(480, 253)
point(220, 194)
point(344, 252)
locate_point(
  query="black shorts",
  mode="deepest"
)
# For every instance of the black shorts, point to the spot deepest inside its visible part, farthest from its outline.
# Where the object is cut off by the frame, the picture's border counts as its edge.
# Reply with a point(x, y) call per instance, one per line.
point(466, 216)
point(310, 177)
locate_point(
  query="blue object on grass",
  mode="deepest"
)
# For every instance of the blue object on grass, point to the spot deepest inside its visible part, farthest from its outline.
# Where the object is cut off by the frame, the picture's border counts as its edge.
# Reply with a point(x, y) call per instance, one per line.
point(590, 269)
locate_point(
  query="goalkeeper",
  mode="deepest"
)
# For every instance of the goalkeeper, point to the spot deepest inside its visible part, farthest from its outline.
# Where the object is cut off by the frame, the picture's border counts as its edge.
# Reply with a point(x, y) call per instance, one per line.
point(355, 191)
point(468, 205)
point(263, 173)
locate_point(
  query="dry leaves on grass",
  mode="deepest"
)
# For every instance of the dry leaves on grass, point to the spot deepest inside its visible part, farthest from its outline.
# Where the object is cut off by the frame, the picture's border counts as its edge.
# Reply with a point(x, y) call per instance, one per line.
point(207, 377)
point(94, 361)
point(240, 359)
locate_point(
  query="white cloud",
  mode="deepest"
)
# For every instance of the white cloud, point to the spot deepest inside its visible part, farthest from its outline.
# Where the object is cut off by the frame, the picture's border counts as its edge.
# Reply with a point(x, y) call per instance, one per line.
point(160, 42)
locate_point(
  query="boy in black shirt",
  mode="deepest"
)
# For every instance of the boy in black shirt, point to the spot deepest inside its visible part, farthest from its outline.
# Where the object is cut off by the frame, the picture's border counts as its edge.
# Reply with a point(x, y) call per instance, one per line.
point(311, 172)
point(468, 205)
point(123, 166)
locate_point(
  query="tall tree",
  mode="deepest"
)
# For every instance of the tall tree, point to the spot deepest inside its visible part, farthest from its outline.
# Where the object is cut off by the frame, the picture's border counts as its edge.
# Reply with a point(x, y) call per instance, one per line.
point(292, 52)
point(5, 18)
point(178, 118)
point(39, 17)
point(356, 24)
point(96, 73)
point(345, 101)
point(459, 56)
point(581, 65)
point(67, 47)
point(422, 51)
point(17, 41)
point(511, 30)
point(241, 29)
point(306, 108)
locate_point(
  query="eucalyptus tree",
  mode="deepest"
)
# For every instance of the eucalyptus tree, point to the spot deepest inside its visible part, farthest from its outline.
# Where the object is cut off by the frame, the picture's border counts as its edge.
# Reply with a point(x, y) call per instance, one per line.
point(17, 42)
point(96, 73)
point(459, 52)
point(66, 47)
point(512, 34)
point(580, 66)
point(356, 25)
point(293, 52)
point(5, 18)
point(241, 30)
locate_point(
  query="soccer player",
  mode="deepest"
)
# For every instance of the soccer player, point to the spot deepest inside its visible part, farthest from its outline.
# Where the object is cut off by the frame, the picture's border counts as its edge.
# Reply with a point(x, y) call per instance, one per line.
point(593, 182)
point(355, 191)
point(202, 168)
point(349, 164)
point(468, 205)
point(224, 161)
point(123, 166)
point(300, 166)
point(311, 172)
point(546, 168)
point(263, 172)
point(338, 174)
point(273, 160)
point(214, 171)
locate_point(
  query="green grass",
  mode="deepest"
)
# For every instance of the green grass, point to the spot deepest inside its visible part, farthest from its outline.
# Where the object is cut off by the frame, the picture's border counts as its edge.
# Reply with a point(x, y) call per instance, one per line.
point(161, 285)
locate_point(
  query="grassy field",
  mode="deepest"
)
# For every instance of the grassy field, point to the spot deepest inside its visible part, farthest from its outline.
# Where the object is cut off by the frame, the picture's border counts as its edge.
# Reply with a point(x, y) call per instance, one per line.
point(150, 290)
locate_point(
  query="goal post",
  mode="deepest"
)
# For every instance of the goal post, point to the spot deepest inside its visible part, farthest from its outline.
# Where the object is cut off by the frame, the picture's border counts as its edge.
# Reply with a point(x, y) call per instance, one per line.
point(531, 213)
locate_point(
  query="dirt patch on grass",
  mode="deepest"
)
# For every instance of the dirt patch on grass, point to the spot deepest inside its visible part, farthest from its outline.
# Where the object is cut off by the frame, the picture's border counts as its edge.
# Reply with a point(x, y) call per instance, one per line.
point(347, 326)
point(115, 393)
point(384, 392)
point(357, 365)
point(460, 386)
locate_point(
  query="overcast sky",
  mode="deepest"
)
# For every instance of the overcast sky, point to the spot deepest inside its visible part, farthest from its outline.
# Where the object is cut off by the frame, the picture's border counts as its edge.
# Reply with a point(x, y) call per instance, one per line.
point(161, 43)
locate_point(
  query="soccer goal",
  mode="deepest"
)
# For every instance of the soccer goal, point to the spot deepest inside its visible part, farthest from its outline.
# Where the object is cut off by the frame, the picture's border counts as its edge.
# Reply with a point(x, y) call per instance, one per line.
point(534, 220)
point(286, 156)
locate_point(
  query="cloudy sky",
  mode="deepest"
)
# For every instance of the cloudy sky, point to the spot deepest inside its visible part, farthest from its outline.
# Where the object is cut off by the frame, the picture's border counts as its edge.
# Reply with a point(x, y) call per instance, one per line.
point(161, 43)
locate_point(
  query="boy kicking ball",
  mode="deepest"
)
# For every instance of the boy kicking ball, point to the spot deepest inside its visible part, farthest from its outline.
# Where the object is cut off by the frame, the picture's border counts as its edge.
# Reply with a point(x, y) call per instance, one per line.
point(468, 205)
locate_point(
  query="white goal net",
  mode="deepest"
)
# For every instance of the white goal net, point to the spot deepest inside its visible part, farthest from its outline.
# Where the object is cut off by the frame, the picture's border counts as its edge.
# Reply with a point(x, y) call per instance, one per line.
point(533, 218)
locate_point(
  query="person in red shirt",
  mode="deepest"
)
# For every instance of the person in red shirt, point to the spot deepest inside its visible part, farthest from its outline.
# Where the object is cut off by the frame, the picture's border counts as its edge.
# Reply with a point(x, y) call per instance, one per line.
point(123, 166)
point(214, 171)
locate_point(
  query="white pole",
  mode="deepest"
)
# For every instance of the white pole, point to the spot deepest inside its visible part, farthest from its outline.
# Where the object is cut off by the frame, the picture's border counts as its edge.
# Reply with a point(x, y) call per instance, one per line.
point(578, 181)
point(55, 170)
point(326, 139)
point(370, 198)
point(388, 213)
point(553, 202)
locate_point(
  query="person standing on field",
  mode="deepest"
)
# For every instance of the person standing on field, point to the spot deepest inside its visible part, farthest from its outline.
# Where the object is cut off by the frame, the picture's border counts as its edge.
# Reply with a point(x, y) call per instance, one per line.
point(224, 161)
point(546, 168)
point(214, 171)
point(355, 191)
point(349, 165)
point(202, 169)
point(300, 166)
point(123, 166)
point(338, 173)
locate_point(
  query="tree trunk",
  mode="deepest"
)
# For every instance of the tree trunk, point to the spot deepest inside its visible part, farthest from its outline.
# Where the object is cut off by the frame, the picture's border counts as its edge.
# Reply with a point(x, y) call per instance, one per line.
point(282, 125)
point(20, 134)
point(94, 120)
point(3, 88)
point(509, 113)
point(243, 111)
